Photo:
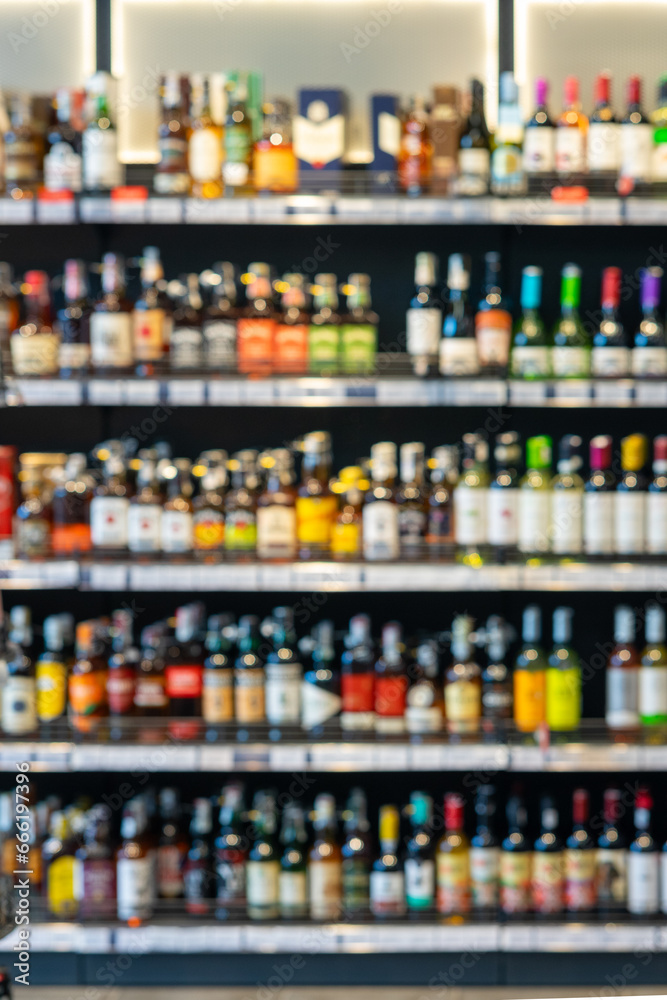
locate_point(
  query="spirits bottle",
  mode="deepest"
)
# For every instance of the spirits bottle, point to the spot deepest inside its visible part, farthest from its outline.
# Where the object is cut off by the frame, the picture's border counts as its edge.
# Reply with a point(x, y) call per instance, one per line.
point(74, 322)
point(516, 859)
point(415, 152)
point(184, 668)
point(220, 318)
point(493, 322)
point(102, 169)
point(649, 354)
point(419, 864)
point(571, 130)
point(62, 868)
point(599, 497)
point(276, 508)
point(51, 672)
point(440, 533)
point(580, 858)
point(325, 871)
point(237, 142)
point(320, 694)
point(531, 351)
point(87, 682)
point(275, 166)
point(171, 171)
point(249, 676)
point(186, 341)
point(70, 507)
point(111, 343)
point(563, 677)
point(539, 154)
point(630, 497)
point(150, 693)
point(571, 351)
point(324, 334)
point(35, 343)
point(22, 150)
point(659, 119)
point(496, 677)
point(316, 505)
point(176, 521)
point(356, 855)
point(567, 491)
point(241, 505)
point(653, 669)
point(471, 501)
point(463, 681)
point(217, 704)
point(96, 891)
point(643, 861)
point(9, 310)
point(622, 682)
point(424, 701)
point(149, 320)
point(19, 697)
point(507, 171)
point(636, 137)
point(656, 501)
point(611, 859)
point(284, 671)
point(263, 865)
point(109, 506)
point(358, 677)
point(424, 316)
point(458, 346)
point(359, 328)
point(475, 148)
point(484, 854)
point(411, 500)
point(453, 860)
point(503, 497)
point(346, 529)
point(290, 354)
point(172, 847)
point(610, 357)
point(604, 137)
point(387, 881)
point(205, 150)
point(391, 681)
point(535, 498)
point(548, 862)
point(530, 674)
point(208, 506)
point(122, 673)
point(231, 854)
point(144, 516)
point(198, 866)
point(135, 865)
point(293, 878)
point(380, 532)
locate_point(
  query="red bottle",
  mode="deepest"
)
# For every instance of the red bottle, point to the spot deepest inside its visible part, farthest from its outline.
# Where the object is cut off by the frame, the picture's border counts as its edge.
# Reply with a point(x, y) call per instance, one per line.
point(358, 677)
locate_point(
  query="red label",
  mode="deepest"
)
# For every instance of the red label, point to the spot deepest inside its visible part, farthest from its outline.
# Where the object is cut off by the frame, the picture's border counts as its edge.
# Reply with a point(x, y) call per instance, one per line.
point(7, 491)
point(358, 692)
point(129, 192)
point(184, 680)
point(120, 690)
point(254, 343)
point(390, 695)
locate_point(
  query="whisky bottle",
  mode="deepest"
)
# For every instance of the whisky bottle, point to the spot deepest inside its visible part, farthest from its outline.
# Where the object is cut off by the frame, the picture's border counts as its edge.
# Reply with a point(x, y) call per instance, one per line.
point(70, 507)
point(87, 683)
point(198, 866)
point(62, 869)
point(356, 855)
point(284, 671)
point(275, 166)
point(22, 150)
point(186, 342)
point(256, 326)
point(19, 709)
point(496, 677)
point(391, 681)
point(359, 328)
point(231, 854)
point(74, 322)
point(290, 353)
point(325, 868)
point(220, 317)
point(263, 865)
point(63, 163)
point(102, 169)
point(51, 672)
point(184, 667)
point(237, 142)
point(241, 505)
point(249, 675)
point(453, 860)
point(440, 533)
point(149, 319)
point(293, 878)
point(135, 865)
point(172, 846)
point(463, 681)
point(358, 677)
point(414, 162)
point(424, 316)
point(346, 529)
point(122, 674)
point(276, 508)
point(176, 523)
point(316, 505)
point(320, 694)
point(381, 539)
point(205, 151)
point(424, 711)
point(35, 343)
point(217, 706)
point(412, 501)
point(111, 343)
point(150, 693)
point(324, 335)
point(208, 508)
point(171, 171)
point(144, 516)
point(96, 890)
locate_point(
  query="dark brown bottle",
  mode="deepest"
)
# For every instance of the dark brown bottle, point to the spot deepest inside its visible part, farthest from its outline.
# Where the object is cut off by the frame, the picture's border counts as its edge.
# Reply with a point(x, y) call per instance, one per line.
point(172, 846)
point(184, 672)
point(98, 867)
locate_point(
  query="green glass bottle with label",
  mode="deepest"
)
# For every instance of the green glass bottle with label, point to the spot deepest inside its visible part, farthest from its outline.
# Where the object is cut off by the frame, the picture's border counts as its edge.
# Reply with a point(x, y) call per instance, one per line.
point(571, 351)
point(359, 329)
point(324, 334)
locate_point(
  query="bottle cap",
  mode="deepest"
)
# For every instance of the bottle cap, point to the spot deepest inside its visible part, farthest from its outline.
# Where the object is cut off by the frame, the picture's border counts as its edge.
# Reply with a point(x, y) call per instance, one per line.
point(611, 287)
point(580, 809)
point(541, 91)
point(654, 625)
point(37, 282)
point(531, 287)
point(509, 91)
point(458, 272)
point(624, 624)
point(612, 807)
point(570, 290)
point(601, 452)
point(643, 799)
point(634, 90)
point(421, 806)
point(660, 448)
point(651, 280)
point(532, 624)
point(634, 452)
point(539, 452)
point(571, 89)
point(507, 450)
point(426, 269)
point(603, 88)
point(570, 452)
point(562, 626)
point(454, 811)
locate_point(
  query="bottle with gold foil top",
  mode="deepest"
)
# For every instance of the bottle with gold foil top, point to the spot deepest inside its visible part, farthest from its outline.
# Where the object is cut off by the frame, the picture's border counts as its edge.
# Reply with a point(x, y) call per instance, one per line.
point(208, 506)
point(51, 671)
point(241, 505)
point(256, 327)
point(316, 505)
point(35, 344)
point(630, 499)
point(563, 677)
point(249, 675)
point(346, 529)
point(463, 681)
point(515, 861)
point(276, 507)
point(149, 319)
point(290, 353)
point(87, 687)
point(144, 515)
point(324, 336)
point(380, 526)
point(548, 863)
point(34, 517)
point(359, 327)
point(325, 867)
point(453, 860)
point(176, 522)
point(217, 707)
point(275, 166)
point(62, 869)
point(530, 674)
point(387, 881)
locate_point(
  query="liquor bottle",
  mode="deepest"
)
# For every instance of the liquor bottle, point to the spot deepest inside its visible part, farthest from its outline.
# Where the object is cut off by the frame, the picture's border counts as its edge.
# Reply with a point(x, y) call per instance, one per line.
point(649, 354)
point(380, 532)
point(325, 871)
point(241, 505)
point(70, 508)
point(507, 172)
point(198, 866)
point(599, 498)
point(293, 878)
point(237, 142)
point(205, 150)
point(96, 890)
point(387, 881)
point(359, 328)
point(276, 508)
point(411, 500)
point(643, 878)
point(440, 533)
point(515, 860)
point(424, 316)
point(51, 672)
point(217, 705)
point(548, 862)
point(414, 162)
point(320, 693)
point(144, 516)
point(324, 334)
point(35, 343)
point(111, 345)
point(580, 856)
point(610, 357)
point(135, 865)
point(184, 667)
point(471, 500)
point(290, 345)
point(493, 321)
point(87, 687)
point(567, 491)
point(419, 863)
point(659, 119)
point(484, 854)
point(630, 497)
point(9, 309)
point(503, 497)
point(74, 322)
point(539, 154)
point(622, 682)
point(208, 506)
point(636, 137)
point(263, 865)
point(231, 853)
point(391, 681)
point(530, 679)
point(611, 860)
point(571, 352)
point(33, 523)
point(496, 678)
point(186, 341)
point(22, 150)
point(171, 171)
point(653, 669)
point(316, 505)
point(284, 671)
point(424, 701)
point(62, 163)
point(463, 681)
point(604, 136)
point(346, 529)
point(358, 677)
point(535, 498)
point(531, 352)
point(458, 346)
point(475, 148)
point(62, 868)
point(149, 319)
point(102, 169)
point(275, 166)
point(656, 501)
point(122, 674)
point(563, 677)
point(176, 521)
point(19, 697)
point(249, 676)
point(150, 693)
point(220, 317)
point(453, 860)
point(571, 130)
point(172, 846)
point(356, 855)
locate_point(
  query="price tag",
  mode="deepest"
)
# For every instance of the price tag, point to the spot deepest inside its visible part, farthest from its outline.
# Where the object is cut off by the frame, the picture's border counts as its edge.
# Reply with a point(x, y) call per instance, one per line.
point(225, 392)
point(216, 758)
point(241, 577)
point(528, 393)
point(60, 574)
point(107, 576)
point(274, 939)
point(224, 939)
point(258, 392)
point(651, 393)
point(147, 578)
point(217, 211)
point(141, 392)
point(527, 758)
point(392, 757)
point(324, 756)
point(18, 212)
point(278, 577)
point(128, 204)
point(269, 209)
point(168, 757)
point(93, 940)
point(614, 392)
point(103, 392)
point(53, 937)
point(95, 209)
point(186, 392)
point(402, 392)
point(573, 388)
point(311, 204)
point(165, 210)
point(653, 758)
point(50, 392)
point(517, 937)
point(427, 757)
point(56, 208)
point(86, 758)
point(288, 758)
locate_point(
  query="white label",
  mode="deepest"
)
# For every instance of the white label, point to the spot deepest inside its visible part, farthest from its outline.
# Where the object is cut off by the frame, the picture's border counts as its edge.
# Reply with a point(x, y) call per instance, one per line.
point(659, 162)
point(205, 155)
point(176, 531)
point(387, 893)
point(424, 330)
point(19, 710)
point(458, 356)
point(604, 147)
point(649, 361)
point(534, 520)
point(503, 516)
point(75, 356)
point(319, 143)
point(610, 362)
point(539, 150)
point(111, 340)
point(318, 705)
point(622, 697)
point(262, 883)
point(325, 890)
point(484, 875)
point(566, 521)
point(389, 133)
point(493, 345)
point(656, 523)
point(470, 508)
point(185, 347)
point(101, 169)
point(235, 174)
point(276, 529)
point(108, 522)
point(611, 875)
point(283, 692)
point(652, 691)
point(134, 887)
point(380, 530)
point(636, 151)
point(143, 527)
point(293, 889)
point(643, 882)
point(570, 150)
point(598, 523)
point(220, 342)
point(629, 514)
point(62, 168)
point(419, 881)
point(474, 171)
point(35, 355)
point(570, 362)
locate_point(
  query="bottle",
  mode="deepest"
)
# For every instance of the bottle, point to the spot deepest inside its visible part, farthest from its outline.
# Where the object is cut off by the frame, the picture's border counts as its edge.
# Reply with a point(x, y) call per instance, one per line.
point(263, 867)
point(458, 346)
point(62, 868)
point(539, 141)
point(358, 677)
point(22, 150)
point(257, 324)
point(475, 148)
point(144, 515)
point(74, 322)
point(346, 529)
point(507, 171)
point(496, 678)
point(493, 322)
point(567, 488)
point(208, 514)
point(503, 497)
point(102, 170)
point(611, 860)
point(471, 501)
point(419, 863)
point(122, 675)
point(453, 860)
point(411, 500)
point(316, 505)
point(656, 497)
point(610, 357)
point(220, 318)
point(649, 354)
point(149, 320)
point(111, 343)
point(171, 171)
point(135, 865)
point(548, 862)
point(325, 871)
point(51, 670)
point(19, 698)
point(241, 505)
point(391, 682)
point(249, 676)
point(380, 530)
point(320, 694)
point(70, 509)
point(150, 692)
point(440, 533)
point(62, 163)
point(571, 352)
point(636, 137)
point(293, 878)
point(580, 856)
point(290, 346)
point(184, 667)
point(33, 524)
point(9, 308)
point(237, 141)
point(630, 497)
point(359, 328)
point(424, 316)
point(563, 677)
point(198, 865)
point(643, 861)
point(571, 130)
point(653, 669)
point(535, 498)
point(484, 854)
point(231, 854)
point(659, 119)
point(284, 671)
point(424, 700)
point(96, 890)
point(531, 352)
point(275, 166)
point(176, 534)
point(463, 681)
point(604, 134)
point(172, 846)
point(356, 855)
point(623, 674)
point(599, 497)
point(35, 343)
point(87, 684)
point(387, 881)
point(276, 508)
point(516, 859)
point(205, 150)
point(530, 678)
point(414, 161)
point(186, 341)
point(324, 334)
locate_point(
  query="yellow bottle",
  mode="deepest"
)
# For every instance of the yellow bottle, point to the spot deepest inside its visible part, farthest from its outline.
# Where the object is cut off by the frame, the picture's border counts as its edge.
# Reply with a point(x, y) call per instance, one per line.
point(346, 529)
point(61, 866)
point(563, 677)
point(51, 671)
point(530, 675)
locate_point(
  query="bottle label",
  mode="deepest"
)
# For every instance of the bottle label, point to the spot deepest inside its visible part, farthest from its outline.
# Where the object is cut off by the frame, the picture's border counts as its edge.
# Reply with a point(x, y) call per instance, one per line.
point(358, 692)
point(503, 516)
point(290, 352)
point(529, 695)
point(62, 168)
point(604, 147)
point(440, 528)
point(87, 694)
point(220, 343)
point(150, 692)
point(319, 143)
point(474, 172)
point(293, 890)
point(68, 538)
point(33, 537)
point(254, 343)
point(390, 694)
point(148, 334)
point(283, 692)
point(346, 539)
point(567, 521)
point(636, 151)
point(579, 880)
point(184, 680)
point(208, 529)
point(74, 357)
point(240, 530)
point(563, 698)
point(570, 150)
point(61, 879)
point(169, 871)
point(51, 686)
point(663, 882)
point(263, 883)
point(610, 877)
point(195, 886)
point(35, 355)
point(539, 150)
point(515, 881)
point(217, 704)
point(659, 161)
point(470, 508)
point(111, 340)
point(101, 167)
point(652, 692)
point(387, 894)
point(176, 531)
point(315, 517)
point(356, 883)
point(134, 888)
point(424, 330)
point(507, 166)
point(453, 877)
point(185, 347)
point(422, 718)
point(656, 523)
point(458, 356)
point(570, 362)
point(276, 529)
point(325, 890)
point(205, 155)
point(235, 171)
point(622, 697)
point(108, 522)
point(598, 523)
point(419, 883)
point(323, 346)
point(463, 705)
point(650, 361)
point(411, 526)
point(97, 888)
point(318, 705)
point(143, 527)
point(493, 345)
point(484, 875)
point(610, 362)
point(643, 882)
point(529, 361)
point(120, 690)
point(534, 520)
point(19, 705)
point(173, 156)
point(358, 346)
point(629, 515)
point(231, 882)
point(548, 876)
point(380, 534)
point(249, 695)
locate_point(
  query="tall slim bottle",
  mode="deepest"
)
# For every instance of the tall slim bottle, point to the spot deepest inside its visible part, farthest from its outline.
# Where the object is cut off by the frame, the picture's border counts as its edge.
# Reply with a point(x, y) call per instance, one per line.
point(325, 862)
point(622, 681)
point(567, 498)
point(636, 137)
point(471, 500)
point(653, 669)
point(380, 527)
point(603, 146)
point(643, 861)
point(656, 501)
point(611, 861)
point(571, 130)
point(424, 316)
point(630, 497)
point(531, 352)
point(453, 860)
point(649, 354)
point(516, 859)
point(535, 498)
point(530, 674)
point(563, 690)
point(610, 357)
point(458, 347)
point(539, 153)
point(580, 856)
point(571, 351)
point(599, 499)
point(548, 862)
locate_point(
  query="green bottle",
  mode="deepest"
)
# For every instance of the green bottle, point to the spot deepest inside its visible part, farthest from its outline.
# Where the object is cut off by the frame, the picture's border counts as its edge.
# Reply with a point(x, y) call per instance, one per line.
point(535, 497)
point(359, 331)
point(563, 693)
point(531, 354)
point(324, 333)
point(571, 351)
